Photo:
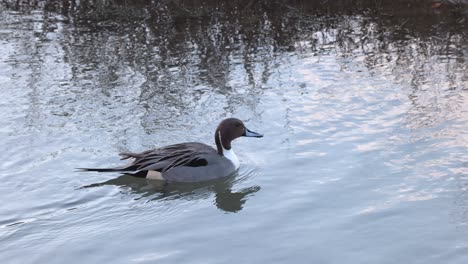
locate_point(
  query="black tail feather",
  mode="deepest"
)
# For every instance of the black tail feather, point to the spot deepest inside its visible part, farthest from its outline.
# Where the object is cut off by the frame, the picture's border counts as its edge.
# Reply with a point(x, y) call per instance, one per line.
point(124, 170)
point(117, 169)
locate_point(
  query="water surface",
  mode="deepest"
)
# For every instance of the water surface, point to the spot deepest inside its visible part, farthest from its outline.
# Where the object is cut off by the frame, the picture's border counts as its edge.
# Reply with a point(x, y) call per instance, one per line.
point(364, 107)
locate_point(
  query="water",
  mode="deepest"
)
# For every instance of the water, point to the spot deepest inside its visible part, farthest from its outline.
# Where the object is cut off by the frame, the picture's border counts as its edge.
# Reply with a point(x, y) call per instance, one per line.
point(363, 105)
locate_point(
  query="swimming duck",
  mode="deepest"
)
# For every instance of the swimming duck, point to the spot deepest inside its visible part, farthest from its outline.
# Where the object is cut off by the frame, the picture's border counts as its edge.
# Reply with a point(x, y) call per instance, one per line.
point(188, 162)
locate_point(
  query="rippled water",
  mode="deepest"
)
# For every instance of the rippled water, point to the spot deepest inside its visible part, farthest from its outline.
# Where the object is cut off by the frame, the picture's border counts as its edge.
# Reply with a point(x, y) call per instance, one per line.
point(364, 105)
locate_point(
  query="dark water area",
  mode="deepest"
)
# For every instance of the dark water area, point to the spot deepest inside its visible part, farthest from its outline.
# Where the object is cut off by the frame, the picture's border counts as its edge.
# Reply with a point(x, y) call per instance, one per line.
point(364, 107)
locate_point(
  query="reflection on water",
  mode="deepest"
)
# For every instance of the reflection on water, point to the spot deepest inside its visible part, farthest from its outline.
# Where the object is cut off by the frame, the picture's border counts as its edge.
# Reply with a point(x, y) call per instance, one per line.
point(184, 55)
point(364, 103)
point(154, 190)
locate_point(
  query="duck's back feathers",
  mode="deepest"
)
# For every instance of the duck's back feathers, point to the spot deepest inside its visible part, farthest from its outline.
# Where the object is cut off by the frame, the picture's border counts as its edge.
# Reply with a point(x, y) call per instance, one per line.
point(177, 162)
point(163, 159)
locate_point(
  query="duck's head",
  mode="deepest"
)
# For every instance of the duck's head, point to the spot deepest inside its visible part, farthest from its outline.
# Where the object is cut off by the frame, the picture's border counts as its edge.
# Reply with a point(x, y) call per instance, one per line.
point(230, 129)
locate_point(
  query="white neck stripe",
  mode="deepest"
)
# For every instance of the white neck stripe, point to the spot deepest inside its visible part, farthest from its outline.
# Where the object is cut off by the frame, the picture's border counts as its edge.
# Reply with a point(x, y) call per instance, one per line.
point(229, 154)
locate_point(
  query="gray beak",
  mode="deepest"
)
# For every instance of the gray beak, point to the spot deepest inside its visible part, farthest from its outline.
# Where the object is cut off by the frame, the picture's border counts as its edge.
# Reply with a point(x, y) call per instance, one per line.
point(248, 133)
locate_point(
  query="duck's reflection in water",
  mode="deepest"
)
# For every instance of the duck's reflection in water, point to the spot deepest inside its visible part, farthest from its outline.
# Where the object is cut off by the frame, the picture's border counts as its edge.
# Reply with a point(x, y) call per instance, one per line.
point(225, 199)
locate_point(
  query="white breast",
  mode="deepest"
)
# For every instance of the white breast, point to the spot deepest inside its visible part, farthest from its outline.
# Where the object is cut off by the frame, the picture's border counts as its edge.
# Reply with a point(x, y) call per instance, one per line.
point(231, 155)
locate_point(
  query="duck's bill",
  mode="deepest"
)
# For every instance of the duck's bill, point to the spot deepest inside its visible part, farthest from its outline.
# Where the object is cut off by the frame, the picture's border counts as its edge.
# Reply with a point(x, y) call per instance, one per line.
point(249, 133)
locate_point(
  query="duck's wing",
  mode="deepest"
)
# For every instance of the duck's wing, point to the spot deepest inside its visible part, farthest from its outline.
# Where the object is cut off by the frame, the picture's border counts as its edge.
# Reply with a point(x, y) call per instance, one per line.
point(164, 159)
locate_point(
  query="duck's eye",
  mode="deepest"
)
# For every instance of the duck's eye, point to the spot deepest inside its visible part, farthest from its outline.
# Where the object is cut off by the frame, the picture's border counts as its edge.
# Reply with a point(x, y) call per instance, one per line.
point(238, 125)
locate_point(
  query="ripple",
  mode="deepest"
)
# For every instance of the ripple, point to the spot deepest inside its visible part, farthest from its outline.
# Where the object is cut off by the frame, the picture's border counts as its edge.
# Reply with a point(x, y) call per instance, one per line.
point(364, 116)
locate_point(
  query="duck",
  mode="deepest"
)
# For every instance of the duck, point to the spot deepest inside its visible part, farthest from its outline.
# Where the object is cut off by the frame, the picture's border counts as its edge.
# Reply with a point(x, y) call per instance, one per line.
point(190, 161)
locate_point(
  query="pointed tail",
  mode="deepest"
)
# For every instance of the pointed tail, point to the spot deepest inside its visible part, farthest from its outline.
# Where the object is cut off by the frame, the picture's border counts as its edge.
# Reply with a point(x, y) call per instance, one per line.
point(117, 169)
